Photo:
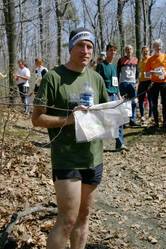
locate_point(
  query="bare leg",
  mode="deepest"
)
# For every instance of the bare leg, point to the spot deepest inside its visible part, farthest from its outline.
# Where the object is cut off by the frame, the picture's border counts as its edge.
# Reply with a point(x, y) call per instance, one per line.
point(80, 232)
point(68, 193)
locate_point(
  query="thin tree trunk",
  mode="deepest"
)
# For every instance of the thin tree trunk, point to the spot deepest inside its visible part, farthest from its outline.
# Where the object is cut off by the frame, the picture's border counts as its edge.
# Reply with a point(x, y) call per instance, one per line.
point(150, 24)
point(101, 23)
point(21, 28)
point(138, 27)
point(41, 26)
point(150, 5)
point(10, 26)
point(59, 31)
point(121, 25)
point(47, 46)
point(145, 33)
point(59, 14)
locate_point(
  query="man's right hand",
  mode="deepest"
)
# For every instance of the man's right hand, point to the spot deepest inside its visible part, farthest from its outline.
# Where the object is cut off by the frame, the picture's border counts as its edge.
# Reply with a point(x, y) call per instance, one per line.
point(80, 108)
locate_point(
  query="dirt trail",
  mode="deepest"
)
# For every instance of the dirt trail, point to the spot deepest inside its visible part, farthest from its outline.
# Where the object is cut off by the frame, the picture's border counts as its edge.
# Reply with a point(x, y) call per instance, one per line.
point(130, 206)
point(131, 198)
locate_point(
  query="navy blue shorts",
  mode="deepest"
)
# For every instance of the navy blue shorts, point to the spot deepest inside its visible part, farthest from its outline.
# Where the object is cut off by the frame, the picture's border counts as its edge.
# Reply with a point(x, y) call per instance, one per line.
point(87, 176)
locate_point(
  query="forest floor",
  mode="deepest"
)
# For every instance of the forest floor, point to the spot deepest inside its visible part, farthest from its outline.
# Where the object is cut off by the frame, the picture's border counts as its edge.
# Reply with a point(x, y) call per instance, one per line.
point(130, 205)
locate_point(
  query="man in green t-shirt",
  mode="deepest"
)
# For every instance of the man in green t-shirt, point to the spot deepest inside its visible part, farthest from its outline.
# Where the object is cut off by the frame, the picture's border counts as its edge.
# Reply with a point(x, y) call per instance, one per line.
point(77, 167)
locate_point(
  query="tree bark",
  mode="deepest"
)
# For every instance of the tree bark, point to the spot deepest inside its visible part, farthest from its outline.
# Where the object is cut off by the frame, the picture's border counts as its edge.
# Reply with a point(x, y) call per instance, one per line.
point(10, 26)
point(145, 32)
point(101, 23)
point(121, 25)
point(41, 26)
point(138, 27)
point(151, 3)
point(59, 15)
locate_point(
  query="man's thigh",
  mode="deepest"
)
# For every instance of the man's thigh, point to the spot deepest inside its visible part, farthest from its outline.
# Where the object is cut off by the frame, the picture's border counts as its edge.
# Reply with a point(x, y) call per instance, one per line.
point(21, 92)
point(155, 93)
point(87, 197)
point(68, 195)
point(74, 188)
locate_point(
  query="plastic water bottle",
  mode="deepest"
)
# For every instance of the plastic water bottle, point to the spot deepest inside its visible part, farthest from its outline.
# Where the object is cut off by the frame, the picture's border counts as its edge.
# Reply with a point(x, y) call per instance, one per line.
point(87, 95)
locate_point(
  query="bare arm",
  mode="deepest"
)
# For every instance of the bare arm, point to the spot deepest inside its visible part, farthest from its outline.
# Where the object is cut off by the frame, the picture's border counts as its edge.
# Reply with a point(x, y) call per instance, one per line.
point(22, 77)
point(41, 119)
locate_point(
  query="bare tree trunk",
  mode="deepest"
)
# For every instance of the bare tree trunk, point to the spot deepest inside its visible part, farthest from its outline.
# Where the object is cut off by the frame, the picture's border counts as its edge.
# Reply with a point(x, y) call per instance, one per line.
point(145, 33)
point(59, 14)
point(21, 28)
point(101, 23)
point(160, 28)
point(93, 22)
point(150, 24)
point(59, 30)
point(138, 27)
point(47, 46)
point(84, 15)
point(150, 5)
point(10, 26)
point(41, 26)
point(121, 4)
point(121, 25)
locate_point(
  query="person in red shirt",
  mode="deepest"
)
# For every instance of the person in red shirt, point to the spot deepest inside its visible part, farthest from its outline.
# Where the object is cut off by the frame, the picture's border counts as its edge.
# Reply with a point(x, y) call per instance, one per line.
point(127, 72)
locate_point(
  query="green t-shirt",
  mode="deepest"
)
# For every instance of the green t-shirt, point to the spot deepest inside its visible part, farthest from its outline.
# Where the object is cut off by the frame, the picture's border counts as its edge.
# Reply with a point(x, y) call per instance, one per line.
point(108, 71)
point(57, 89)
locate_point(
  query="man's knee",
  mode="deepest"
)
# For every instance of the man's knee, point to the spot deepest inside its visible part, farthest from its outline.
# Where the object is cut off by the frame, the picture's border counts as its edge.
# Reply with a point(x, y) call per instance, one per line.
point(68, 223)
point(83, 216)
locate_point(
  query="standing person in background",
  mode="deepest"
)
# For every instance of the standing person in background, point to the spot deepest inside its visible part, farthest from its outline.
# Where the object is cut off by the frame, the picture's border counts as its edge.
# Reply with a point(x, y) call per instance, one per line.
point(127, 70)
point(22, 78)
point(156, 67)
point(101, 57)
point(77, 167)
point(40, 71)
point(109, 73)
point(144, 84)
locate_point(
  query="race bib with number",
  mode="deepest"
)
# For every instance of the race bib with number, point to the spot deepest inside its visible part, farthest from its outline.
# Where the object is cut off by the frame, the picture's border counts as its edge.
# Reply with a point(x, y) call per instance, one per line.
point(114, 81)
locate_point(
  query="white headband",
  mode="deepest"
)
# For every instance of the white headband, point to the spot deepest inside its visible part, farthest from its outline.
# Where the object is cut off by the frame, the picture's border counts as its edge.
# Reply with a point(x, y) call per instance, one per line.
point(84, 35)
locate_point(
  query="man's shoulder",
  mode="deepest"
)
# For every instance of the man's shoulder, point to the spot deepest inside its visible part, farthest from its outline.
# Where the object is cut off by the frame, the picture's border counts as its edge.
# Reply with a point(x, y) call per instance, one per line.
point(97, 78)
point(93, 72)
point(54, 72)
point(150, 58)
point(125, 59)
point(134, 59)
point(122, 60)
point(163, 56)
point(26, 69)
point(101, 65)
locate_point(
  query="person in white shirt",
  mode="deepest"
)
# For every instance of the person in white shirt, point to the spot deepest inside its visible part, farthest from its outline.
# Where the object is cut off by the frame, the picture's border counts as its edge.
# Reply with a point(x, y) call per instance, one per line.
point(40, 71)
point(22, 79)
